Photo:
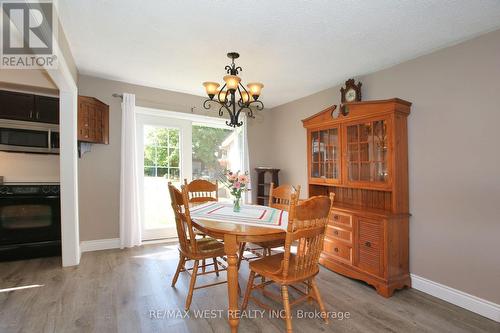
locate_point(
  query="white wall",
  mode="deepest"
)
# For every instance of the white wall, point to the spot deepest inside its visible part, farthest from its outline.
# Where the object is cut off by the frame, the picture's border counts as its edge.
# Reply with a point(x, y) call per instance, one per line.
point(34, 77)
point(19, 167)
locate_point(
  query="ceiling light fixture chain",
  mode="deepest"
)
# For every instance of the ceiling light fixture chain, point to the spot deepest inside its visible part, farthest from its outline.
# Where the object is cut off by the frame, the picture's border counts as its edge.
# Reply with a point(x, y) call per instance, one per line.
point(233, 96)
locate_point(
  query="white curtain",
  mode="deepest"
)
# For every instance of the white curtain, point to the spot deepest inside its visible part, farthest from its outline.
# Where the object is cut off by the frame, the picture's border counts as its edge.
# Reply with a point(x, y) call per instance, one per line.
point(130, 216)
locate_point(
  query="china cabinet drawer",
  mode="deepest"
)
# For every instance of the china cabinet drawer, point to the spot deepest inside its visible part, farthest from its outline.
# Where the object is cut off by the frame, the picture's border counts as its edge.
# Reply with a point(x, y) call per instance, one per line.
point(337, 249)
point(341, 219)
point(339, 233)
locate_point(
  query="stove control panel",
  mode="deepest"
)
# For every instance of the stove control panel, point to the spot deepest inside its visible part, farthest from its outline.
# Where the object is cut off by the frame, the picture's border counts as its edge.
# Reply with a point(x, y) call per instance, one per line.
point(33, 190)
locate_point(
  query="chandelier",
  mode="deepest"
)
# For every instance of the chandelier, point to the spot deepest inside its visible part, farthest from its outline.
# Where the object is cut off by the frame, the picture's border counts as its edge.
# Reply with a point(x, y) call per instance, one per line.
point(233, 96)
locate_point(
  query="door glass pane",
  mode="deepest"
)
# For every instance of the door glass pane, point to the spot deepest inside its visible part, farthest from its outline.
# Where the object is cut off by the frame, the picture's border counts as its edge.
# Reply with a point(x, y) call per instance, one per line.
point(323, 148)
point(325, 154)
point(335, 171)
point(216, 149)
point(364, 172)
point(315, 170)
point(367, 152)
point(365, 132)
point(380, 171)
point(352, 150)
point(315, 151)
point(364, 152)
point(334, 141)
point(352, 134)
point(353, 171)
point(161, 165)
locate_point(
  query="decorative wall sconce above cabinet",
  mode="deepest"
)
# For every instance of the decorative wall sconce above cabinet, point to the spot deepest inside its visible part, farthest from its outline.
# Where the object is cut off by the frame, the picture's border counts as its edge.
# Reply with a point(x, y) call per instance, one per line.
point(93, 120)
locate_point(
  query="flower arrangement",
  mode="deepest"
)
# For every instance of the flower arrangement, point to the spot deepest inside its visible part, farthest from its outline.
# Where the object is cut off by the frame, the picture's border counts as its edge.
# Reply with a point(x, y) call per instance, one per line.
point(237, 183)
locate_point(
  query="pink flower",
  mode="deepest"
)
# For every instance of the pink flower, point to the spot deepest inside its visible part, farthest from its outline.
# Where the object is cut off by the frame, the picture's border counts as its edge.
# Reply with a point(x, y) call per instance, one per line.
point(237, 185)
point(243, 179)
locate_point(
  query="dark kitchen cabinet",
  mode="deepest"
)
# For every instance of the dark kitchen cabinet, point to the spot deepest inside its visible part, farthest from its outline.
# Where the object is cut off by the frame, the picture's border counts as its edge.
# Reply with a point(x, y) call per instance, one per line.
point(16, 106)
point(47, 109)
point(29, 107)
point(93, 120)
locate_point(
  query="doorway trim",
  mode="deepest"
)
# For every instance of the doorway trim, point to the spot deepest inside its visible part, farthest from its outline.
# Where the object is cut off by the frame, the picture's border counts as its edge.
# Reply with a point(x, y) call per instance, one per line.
point(216, 121)
point(68, 115)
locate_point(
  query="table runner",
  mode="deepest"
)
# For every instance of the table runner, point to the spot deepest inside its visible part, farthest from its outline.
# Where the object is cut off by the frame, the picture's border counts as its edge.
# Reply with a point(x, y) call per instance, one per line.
point(261, 216)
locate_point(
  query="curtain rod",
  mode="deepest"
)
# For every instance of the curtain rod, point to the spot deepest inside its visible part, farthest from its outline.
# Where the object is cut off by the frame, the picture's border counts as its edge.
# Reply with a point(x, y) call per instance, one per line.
point(159, 104)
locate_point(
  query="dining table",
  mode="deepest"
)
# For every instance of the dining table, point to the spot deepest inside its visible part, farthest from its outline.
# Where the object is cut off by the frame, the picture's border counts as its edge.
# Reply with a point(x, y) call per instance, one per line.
point(253, 223)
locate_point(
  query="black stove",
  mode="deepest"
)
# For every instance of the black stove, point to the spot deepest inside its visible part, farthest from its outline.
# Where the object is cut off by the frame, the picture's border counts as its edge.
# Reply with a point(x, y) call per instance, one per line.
point(30, 220)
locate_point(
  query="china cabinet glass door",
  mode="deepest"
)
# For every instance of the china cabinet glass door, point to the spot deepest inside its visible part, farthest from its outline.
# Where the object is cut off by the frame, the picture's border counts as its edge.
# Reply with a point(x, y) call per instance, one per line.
point(367, 152)
point(325, 154)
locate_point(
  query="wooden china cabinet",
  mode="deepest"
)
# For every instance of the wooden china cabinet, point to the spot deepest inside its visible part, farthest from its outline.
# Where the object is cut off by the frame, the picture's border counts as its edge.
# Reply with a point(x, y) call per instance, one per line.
point(361, 154)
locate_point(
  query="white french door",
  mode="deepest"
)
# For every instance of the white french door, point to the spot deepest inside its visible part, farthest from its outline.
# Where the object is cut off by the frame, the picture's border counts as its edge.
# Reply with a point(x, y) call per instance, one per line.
point(164, 155)
point(173, 146)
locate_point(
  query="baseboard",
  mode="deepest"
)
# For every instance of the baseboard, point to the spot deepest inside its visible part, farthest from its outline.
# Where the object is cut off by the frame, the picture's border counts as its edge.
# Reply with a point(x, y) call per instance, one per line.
point(99, 244)
point(114, 243)
point(161, 241)
point(459, 298)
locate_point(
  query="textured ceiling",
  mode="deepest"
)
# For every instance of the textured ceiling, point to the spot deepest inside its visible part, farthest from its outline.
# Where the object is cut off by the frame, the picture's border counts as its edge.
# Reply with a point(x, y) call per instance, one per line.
point(295, 48)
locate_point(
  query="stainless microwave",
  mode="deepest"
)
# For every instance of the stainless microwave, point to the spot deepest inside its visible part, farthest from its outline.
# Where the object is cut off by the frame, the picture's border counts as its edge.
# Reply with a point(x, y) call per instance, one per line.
point(29, 137)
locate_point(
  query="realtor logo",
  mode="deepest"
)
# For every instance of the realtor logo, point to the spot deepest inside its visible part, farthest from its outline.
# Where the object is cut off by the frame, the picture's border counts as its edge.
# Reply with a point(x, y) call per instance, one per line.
point(28, 32)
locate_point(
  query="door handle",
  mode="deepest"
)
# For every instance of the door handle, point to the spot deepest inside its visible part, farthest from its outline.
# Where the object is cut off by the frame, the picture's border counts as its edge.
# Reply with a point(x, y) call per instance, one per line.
point(30, 115)
point(38, 115)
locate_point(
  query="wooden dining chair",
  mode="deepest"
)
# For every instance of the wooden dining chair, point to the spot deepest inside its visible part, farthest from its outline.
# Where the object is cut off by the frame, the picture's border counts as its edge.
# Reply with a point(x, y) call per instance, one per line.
point(306, 227)
point(201, 190)
point(191, 247)
point(280, 198)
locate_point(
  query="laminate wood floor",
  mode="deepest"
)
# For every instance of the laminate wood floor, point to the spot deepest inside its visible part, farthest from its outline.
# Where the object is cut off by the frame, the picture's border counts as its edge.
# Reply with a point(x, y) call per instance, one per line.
point(129, 291)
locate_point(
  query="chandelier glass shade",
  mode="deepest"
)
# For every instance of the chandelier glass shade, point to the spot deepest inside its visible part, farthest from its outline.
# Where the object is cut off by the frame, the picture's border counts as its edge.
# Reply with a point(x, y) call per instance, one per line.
point(233, 96)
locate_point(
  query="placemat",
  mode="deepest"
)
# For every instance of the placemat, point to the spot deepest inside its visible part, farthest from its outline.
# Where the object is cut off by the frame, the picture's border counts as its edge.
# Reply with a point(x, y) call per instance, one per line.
point(261, 216)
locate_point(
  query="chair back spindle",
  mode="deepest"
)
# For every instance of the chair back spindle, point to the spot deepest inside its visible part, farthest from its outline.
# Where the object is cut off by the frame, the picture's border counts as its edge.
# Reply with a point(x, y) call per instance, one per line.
point(281, 197)
point(201, 190)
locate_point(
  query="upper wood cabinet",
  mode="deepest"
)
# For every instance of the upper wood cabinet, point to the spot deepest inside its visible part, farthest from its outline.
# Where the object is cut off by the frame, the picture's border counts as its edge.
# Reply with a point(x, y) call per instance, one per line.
point(93, 120)
point(29, 107)
point(356, 150)
point(366, 144)
point(362, 157)
point(47, 109)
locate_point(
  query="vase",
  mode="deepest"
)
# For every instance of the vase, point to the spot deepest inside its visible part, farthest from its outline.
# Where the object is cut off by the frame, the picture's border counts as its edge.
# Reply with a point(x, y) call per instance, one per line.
point(236, 204)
